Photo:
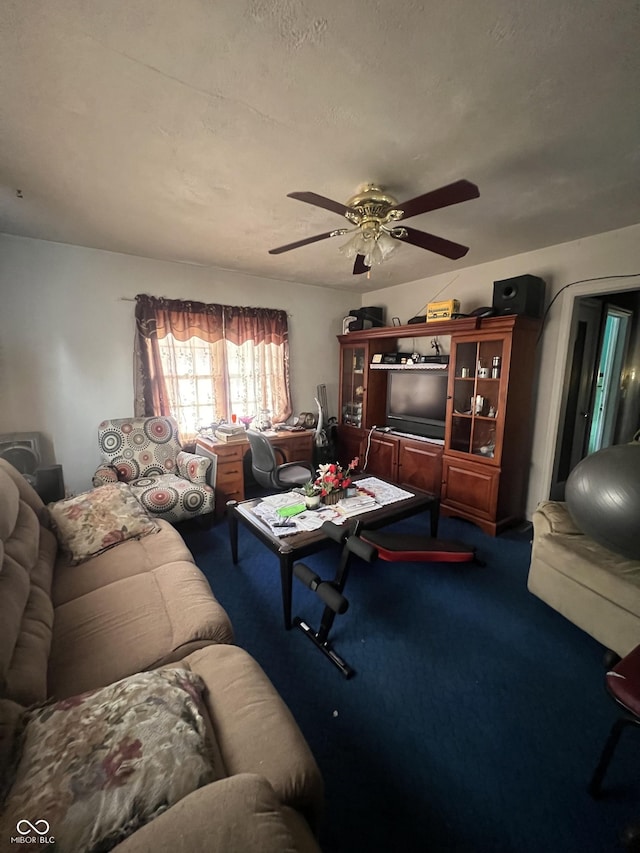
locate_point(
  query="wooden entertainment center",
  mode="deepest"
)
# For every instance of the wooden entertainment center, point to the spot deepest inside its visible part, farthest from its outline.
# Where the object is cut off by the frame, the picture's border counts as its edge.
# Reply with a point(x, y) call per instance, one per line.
point(481, 469)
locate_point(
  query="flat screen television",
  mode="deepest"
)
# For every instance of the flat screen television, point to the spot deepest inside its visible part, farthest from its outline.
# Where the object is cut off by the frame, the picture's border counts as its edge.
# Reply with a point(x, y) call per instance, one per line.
point(417, 402)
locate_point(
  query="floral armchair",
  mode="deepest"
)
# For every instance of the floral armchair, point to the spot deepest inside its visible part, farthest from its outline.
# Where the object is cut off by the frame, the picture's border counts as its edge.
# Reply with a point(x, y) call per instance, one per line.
point(146, 453)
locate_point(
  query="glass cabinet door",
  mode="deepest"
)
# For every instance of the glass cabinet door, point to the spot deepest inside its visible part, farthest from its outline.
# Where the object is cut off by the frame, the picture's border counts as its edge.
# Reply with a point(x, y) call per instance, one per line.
point(352, 384)
point(476, 380)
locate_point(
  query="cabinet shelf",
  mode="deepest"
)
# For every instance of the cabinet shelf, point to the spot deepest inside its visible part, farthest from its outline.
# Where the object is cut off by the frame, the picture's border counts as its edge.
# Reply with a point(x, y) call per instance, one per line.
point(441, 367)
point(470, 415)
point(411, 330)
point(480, 379)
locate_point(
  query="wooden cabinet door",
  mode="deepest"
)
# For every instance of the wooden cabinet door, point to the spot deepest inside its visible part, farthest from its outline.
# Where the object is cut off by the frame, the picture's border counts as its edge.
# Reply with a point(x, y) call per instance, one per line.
point(349, 444)
point(479, 369)
point(420, 465)
point(382, 458)
point(471, 491)
point(353, 366)
point(362, 392)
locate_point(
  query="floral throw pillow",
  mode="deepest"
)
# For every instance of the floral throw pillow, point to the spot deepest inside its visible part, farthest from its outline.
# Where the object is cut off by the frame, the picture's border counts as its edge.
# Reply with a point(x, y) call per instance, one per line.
point(193, 468)
point(98, 766)
point(91, 522)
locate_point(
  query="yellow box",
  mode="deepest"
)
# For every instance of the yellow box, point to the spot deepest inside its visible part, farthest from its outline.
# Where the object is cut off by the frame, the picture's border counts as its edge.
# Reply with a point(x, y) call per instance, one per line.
point(442, 310)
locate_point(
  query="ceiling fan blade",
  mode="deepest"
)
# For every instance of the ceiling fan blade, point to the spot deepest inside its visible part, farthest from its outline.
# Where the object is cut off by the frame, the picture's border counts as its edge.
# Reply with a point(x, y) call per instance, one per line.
point(304, 242)
point(320, 201)
point(433, 244)
point(443, 197)
point(359, 265)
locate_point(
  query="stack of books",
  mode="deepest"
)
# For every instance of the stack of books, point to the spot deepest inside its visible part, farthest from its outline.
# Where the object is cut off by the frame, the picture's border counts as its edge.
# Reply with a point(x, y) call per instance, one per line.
point(354, 506)
point(231, 432)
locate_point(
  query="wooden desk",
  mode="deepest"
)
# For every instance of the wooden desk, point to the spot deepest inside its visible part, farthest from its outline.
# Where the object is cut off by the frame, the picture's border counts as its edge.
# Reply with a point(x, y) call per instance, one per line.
point(296, 447)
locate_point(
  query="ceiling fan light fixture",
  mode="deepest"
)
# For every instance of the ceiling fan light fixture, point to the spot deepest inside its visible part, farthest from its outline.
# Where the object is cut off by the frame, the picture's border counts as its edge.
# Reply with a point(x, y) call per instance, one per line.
point(386, 243)
point(382, 247)
point(356, 245)
point(373, 257)
point(374, 245)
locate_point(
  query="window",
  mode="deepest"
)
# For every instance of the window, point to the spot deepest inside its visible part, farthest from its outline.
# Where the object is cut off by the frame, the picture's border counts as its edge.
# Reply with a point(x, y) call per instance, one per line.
point(200, 363)
point(188, 374)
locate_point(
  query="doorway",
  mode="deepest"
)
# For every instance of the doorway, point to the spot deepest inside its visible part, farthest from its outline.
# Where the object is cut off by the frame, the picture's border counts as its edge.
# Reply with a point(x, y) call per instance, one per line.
point(606, 397)
point(595, 410)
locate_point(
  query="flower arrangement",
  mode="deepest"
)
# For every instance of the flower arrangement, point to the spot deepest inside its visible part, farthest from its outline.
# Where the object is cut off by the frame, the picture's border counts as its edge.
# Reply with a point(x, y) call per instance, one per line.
point(332, 477)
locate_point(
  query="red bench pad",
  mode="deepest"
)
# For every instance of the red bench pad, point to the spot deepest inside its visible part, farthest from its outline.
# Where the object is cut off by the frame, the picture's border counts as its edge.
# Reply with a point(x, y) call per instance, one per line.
point(411, 548)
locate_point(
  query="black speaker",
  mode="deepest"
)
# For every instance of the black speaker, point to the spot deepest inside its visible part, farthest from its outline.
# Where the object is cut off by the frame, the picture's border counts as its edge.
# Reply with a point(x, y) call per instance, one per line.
point(50, 483)
point(366, 318)
point(523, 294)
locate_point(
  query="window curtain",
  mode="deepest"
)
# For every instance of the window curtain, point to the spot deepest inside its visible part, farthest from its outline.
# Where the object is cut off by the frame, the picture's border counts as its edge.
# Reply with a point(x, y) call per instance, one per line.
point(257, 337)
point(158, 319)
point(260, 337)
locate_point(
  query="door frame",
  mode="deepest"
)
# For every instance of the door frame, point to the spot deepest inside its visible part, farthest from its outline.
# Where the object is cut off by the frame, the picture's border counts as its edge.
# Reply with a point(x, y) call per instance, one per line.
point(577, 392)
point(567, 300)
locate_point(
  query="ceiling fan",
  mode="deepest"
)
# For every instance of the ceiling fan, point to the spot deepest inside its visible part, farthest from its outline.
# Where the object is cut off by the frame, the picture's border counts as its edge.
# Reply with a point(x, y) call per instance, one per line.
point(373, 212)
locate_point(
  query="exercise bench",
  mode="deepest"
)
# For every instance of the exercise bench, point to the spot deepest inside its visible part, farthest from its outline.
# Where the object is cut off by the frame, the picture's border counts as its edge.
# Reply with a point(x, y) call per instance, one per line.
point(368, 545)
point(330, 592)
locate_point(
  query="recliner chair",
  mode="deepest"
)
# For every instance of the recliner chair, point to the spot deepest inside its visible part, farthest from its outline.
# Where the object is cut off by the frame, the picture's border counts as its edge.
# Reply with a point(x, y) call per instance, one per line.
point(266, 470)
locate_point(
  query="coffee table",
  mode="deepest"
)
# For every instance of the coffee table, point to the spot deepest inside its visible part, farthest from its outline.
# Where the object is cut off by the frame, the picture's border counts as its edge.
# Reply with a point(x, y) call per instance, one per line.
point(292, 548)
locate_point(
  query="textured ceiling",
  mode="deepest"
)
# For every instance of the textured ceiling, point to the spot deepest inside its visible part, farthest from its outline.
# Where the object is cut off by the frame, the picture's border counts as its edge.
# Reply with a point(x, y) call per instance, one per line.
point(175, 130)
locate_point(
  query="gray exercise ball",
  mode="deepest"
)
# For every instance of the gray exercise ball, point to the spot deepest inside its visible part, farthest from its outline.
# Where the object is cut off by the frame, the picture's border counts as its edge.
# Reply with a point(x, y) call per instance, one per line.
point(603, 498)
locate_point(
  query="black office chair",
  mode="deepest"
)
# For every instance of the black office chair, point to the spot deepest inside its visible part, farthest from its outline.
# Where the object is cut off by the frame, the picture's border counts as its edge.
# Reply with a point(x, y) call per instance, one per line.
point(268, 472)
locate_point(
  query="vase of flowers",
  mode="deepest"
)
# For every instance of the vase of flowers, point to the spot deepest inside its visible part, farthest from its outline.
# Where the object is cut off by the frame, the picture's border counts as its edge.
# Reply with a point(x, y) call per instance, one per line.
point(333, 480)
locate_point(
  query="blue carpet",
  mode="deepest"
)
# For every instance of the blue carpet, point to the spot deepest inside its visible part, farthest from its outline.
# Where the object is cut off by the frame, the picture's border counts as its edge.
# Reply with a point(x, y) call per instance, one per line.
point(477, 713)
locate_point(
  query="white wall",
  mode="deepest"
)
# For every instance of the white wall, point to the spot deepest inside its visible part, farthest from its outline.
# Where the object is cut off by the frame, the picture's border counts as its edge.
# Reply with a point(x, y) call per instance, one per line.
point(66, 337)
point(609, 254)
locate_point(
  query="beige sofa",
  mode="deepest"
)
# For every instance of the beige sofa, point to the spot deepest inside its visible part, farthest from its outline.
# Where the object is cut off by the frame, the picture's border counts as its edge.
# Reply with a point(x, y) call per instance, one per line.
point(141, 605)
point(597, 590)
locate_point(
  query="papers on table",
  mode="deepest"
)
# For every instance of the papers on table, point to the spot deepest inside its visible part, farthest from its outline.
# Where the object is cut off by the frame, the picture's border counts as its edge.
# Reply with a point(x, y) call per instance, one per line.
point(310, 519)
point(282, 499)
point(384, 493)
point(372, 494)
point(354, 506)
